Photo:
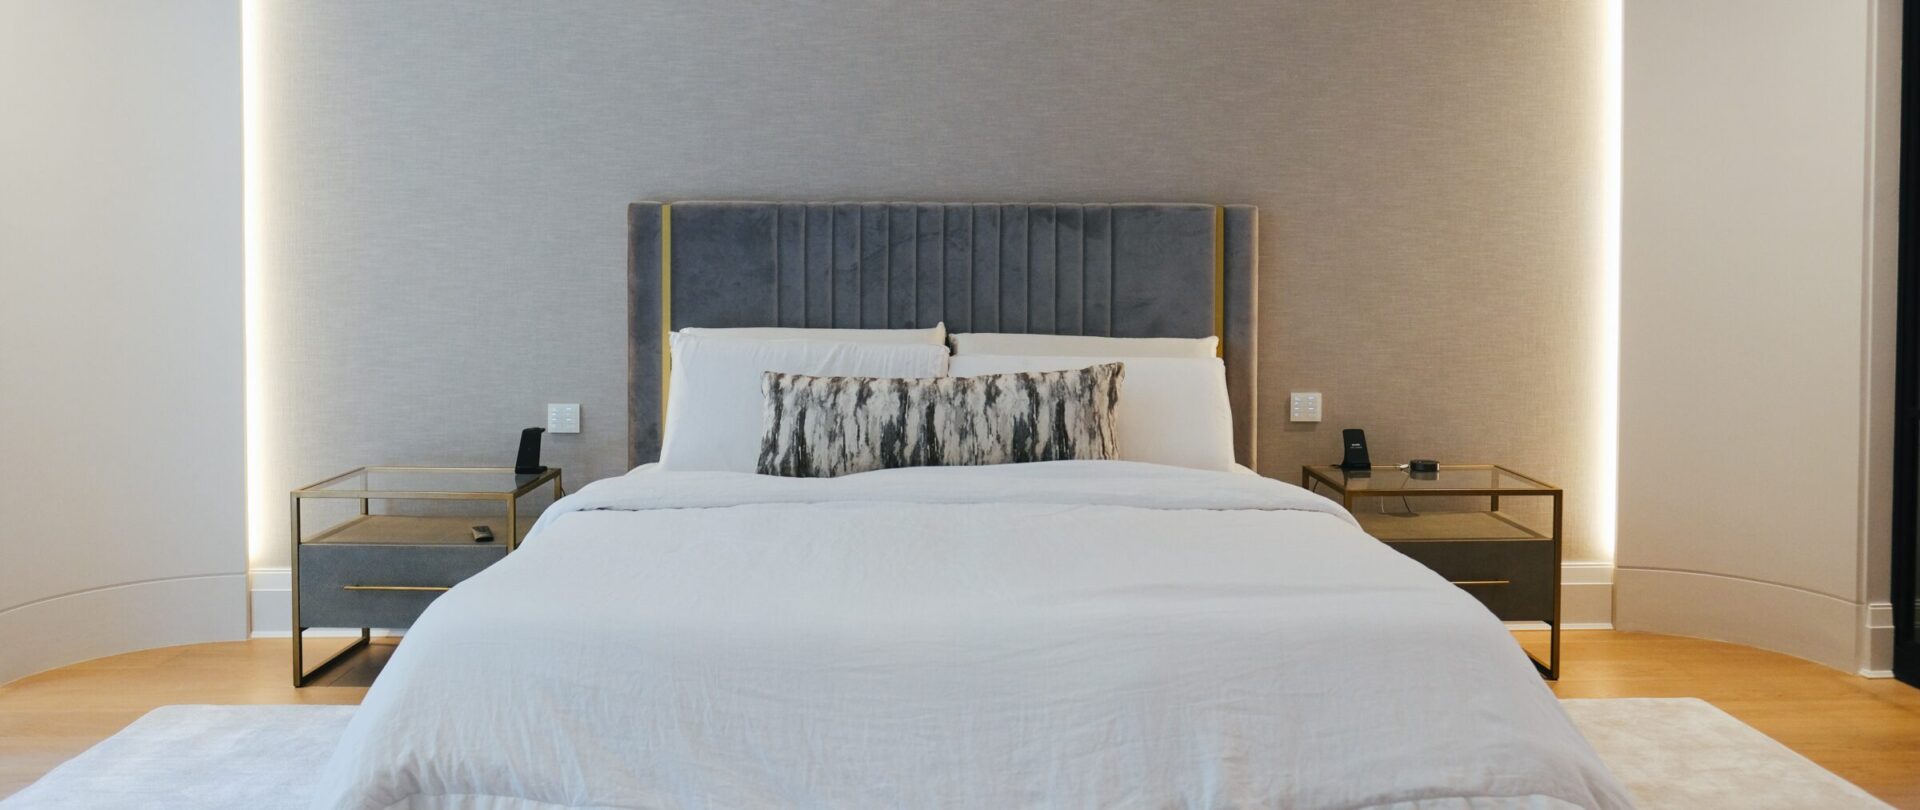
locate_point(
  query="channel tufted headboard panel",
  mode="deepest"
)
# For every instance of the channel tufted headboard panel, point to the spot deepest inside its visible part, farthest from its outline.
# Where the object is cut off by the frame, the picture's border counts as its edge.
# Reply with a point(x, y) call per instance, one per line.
point(1127, 270)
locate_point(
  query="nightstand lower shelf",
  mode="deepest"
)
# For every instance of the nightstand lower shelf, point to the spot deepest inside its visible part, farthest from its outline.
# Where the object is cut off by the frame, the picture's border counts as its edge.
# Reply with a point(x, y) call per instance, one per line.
point(1493, 554)
point(382, 584)
point(1511, 569)
point(1432, 526)
point(408, 530)
point(383, 570)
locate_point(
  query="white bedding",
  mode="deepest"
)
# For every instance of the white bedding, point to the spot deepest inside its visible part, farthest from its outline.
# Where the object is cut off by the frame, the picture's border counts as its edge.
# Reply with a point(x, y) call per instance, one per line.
point(1069, 634)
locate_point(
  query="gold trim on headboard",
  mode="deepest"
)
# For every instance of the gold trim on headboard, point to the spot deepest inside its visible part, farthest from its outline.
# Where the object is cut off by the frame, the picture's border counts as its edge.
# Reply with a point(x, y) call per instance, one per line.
point(666, 306)
point(1220, 280)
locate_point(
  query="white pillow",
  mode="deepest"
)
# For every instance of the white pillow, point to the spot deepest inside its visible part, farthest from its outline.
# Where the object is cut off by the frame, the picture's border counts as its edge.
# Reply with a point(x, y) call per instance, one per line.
point(714, 408)
point(936, 334)
point(1173, 410)
point(1082, 346)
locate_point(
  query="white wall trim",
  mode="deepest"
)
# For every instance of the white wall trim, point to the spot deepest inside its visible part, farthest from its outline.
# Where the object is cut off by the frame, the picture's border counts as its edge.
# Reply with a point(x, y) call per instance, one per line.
point(1586, 600)
point(272, 599)
point(1586, 596)
point(1768, 615)
point(1876, 640)
point(41, 635)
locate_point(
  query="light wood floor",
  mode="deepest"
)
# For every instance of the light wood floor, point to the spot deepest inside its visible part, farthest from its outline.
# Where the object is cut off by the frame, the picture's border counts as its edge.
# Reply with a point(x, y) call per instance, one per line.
point(1865, 730)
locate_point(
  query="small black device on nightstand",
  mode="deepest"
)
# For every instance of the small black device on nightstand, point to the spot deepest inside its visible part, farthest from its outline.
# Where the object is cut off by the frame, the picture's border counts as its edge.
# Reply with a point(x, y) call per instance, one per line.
point(529, 461)
point(1354, 441)
point(1423, 465)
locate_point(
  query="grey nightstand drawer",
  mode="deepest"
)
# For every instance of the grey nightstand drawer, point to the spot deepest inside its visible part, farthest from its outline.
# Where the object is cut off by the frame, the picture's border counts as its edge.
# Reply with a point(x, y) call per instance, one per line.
point(1513, 578)
point(348, 585)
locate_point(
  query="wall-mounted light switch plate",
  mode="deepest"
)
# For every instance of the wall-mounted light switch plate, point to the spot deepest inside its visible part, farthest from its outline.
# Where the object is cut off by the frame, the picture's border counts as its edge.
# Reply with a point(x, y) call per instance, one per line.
point(563, 418)
point(1306, 407)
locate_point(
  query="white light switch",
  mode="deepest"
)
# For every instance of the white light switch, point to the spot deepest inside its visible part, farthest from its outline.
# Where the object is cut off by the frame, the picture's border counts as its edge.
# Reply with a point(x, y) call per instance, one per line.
point(1306, 407)
point(565, 418)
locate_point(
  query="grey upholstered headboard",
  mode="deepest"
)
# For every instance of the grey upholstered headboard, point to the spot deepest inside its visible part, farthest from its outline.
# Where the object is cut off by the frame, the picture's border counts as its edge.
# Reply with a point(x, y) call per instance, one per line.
point(1127, 270)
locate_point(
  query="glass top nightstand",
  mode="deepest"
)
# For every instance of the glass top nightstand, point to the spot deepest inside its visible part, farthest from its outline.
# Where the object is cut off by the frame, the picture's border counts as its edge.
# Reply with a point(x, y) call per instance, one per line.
point(1452, 479)
point(1508, 558)
point(373, 568)
point(454, 483)
point(366, 484)
point(1489, 481)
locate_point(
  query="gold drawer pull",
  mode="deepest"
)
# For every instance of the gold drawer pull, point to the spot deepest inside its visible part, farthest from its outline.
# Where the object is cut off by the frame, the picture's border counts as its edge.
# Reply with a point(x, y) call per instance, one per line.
point(395, 587)
point(1481, 582)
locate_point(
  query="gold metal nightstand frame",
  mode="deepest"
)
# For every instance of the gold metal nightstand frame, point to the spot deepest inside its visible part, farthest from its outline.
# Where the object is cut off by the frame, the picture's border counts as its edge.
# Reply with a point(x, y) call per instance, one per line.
point(1333, 478)
point(319, 490)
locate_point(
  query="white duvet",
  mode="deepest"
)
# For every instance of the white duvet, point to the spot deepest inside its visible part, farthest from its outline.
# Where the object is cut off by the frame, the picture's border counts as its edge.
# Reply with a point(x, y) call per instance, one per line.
point(1070, 634)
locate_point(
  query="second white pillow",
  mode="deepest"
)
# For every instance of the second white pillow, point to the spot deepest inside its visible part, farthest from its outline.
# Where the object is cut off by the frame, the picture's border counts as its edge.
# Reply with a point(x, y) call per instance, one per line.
point(714, 406)
point(935, 334)
point(1039, 345)
point(1173, 410)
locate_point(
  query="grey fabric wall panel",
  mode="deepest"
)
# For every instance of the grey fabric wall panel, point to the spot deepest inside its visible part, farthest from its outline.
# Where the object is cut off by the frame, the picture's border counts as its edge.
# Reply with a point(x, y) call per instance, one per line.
point(1144, 270)
point(984, 267)
point(1144, 302)
point(725, 280)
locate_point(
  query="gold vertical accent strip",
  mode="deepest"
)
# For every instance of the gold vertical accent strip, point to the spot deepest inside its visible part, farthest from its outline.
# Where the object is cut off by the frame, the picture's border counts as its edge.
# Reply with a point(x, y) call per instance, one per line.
point(415, 588)
point(666, 308)
point(1220, 280)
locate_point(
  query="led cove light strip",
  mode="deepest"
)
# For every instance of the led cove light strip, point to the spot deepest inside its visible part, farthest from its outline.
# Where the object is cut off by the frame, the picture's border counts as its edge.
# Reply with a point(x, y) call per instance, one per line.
point(1607, 431)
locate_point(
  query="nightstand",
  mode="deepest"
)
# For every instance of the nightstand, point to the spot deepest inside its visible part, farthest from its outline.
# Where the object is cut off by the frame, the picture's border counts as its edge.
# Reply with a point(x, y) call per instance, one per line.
point(1512, 567)
point(370, 570)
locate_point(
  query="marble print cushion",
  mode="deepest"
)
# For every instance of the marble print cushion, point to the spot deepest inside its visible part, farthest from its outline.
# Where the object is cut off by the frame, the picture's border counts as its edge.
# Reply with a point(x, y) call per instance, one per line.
point(823, 427)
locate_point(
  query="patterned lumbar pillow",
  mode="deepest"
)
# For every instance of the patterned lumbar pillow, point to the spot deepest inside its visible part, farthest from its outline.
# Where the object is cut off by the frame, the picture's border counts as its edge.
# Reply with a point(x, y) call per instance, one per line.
point(827, 426)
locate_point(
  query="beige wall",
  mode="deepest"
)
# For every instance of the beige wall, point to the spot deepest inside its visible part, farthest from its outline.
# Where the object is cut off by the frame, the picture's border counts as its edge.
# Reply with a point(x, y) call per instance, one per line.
point(444, 223)
point(120, 252)
point(1757, 263)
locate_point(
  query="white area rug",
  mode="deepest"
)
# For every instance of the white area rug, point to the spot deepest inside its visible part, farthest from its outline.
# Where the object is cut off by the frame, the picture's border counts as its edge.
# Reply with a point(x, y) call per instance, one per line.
point(205, 757)
point(1671, 753)
point(1684, 752)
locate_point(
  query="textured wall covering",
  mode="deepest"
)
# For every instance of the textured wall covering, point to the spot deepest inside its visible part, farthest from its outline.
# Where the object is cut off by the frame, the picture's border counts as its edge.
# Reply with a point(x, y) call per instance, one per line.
point(447, 196)
point(120, 380)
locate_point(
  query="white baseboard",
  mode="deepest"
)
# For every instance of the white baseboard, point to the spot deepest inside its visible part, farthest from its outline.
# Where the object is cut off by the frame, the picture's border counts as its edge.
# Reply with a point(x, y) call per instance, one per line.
point(115, 619)
point(1815, 626)
point(1586, 600)
point(272, 600)
point(1876, 640)
point(1586, 596)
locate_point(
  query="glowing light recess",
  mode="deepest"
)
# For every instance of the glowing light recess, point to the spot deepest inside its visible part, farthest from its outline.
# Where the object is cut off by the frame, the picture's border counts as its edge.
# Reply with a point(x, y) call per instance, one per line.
point(1607, 435)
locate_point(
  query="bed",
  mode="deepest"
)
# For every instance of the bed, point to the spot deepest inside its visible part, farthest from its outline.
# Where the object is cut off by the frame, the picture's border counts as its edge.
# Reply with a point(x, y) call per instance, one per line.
point(1061, 634)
